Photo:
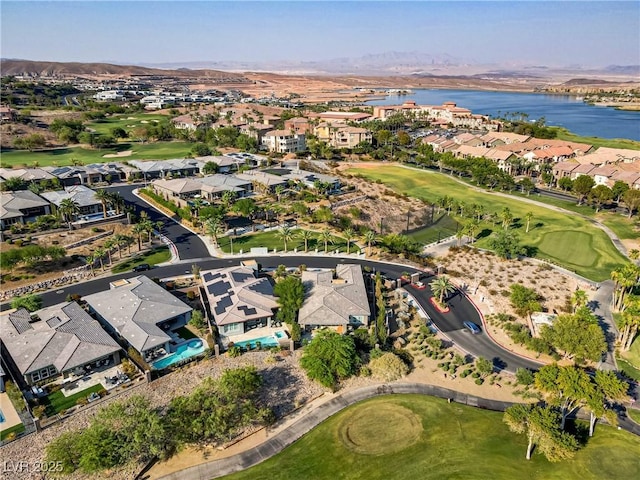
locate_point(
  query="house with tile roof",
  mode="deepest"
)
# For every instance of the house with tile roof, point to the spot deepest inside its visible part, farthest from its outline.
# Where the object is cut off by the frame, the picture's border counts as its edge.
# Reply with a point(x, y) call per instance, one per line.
point(22, 206)
point(83, 196)
point(564, 169)
point(284, 141)
point(58, 340)
point(28, 175)
point(141, 312)
point(337, 301)
point(240, 301)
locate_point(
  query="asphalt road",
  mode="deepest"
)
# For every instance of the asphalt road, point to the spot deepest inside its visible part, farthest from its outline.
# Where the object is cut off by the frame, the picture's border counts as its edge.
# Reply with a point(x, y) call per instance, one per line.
point(450, 323)
point(188, 244)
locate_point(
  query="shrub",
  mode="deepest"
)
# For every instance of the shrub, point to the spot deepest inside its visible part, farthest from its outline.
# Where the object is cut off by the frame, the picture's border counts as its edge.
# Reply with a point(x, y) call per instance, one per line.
point(38, 411)
point(365, 371)
point(191, 295)
point(475, 375)
point(479, 381)
point(388, 367)
point(234, 351)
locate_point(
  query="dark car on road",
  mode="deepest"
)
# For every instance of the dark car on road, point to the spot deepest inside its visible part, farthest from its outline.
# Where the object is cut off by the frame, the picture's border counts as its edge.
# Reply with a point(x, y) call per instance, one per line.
point(472, 327)
point(142, 267)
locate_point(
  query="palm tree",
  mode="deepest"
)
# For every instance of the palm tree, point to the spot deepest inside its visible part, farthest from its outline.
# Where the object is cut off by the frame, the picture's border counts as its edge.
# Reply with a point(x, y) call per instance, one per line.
point(104, 198)
point(348, 235)
point(327, 238)
point(108, 246)
point(370, 238)
point(91, 259)
point(441, 287)
point(625, 279)
point(507, 217)
point(119, 241)
point(99, 253)
point(279, 190)
point(286, 234)
point(196, 205)
point(228, 198)
point(68, 209)
point(528, 216)
point(213, 227)
point(137, 230)
point(578, 299)
point(306, 235)
point(117, 201)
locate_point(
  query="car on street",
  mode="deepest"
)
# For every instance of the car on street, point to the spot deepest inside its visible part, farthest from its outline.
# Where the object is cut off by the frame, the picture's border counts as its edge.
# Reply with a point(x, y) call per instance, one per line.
point(142, 267)
point(472, 327)
point(419, 285)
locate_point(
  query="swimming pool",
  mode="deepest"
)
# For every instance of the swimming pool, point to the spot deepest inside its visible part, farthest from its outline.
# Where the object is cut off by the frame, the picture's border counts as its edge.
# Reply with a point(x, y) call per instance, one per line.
point(187, 350)
point(268, 341)
point(2, 419)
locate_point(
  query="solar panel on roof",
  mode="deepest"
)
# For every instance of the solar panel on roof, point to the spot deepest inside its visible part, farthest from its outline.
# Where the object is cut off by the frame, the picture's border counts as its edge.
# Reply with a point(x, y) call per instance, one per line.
point(241, 277)
point(207, 277)
point(219, 288)
point(222, 305)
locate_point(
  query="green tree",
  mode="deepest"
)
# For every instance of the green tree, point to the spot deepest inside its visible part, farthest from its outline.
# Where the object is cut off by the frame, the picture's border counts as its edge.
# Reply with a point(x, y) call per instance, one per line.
point(370, 237)
point(507, 217)
point(327, 238)
point(30, 301)
point(524, 300)
point(290, 296)
point(329, 358)
point(600, 195)
point(528, 217)
point(618, 189)
point(484, 366)
point(540, 425)
point(578, 339)
point(565, 183)
point(214, 228)
point(441, 287)
point(210, 167)
point(629, 322)
point(286, 235)
point(631, 199)
point(245, 206)
point(506, 244)
point(306, 235)
point(348, 235)
point(104, 198)
point(201, 150)
point(68, 210)
point(579, 298)
point(625, 277)
point(582, 186)
point(608, 388)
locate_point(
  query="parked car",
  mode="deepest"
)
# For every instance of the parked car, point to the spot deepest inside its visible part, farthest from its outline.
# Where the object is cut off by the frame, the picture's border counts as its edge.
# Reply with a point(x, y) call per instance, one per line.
point(472, 327)
point(142, 267)
point(419, 285)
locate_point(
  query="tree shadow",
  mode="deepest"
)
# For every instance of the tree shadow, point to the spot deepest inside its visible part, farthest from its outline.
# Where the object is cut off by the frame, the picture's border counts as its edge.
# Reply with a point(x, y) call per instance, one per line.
point(530, 251)
point(485, 232)
point(498, 364)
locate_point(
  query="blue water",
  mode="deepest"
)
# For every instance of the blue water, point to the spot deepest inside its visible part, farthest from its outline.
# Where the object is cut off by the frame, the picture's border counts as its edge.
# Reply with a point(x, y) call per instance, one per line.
point(269, 341)
point(558, 110)
point(184, 351)
point(2, 419)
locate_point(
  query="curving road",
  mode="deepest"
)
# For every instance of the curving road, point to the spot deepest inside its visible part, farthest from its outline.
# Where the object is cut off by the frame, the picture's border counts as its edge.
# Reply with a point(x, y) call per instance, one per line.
point(449, 323)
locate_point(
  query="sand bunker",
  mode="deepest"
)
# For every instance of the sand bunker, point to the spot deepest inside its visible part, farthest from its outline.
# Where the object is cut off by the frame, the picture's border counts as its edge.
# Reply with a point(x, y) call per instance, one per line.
point(126, 153)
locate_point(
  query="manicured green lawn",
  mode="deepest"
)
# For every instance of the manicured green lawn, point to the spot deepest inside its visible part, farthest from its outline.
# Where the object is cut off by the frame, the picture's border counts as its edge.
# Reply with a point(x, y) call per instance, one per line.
point(567, 240)
point(629, 361)
point(456, 442)
point(271, 240)
point(66, 156)
point(634, 414)
point(564, 134)
point(17, 429)
point(126, 122)
point(623, 227)
point(444, 227)
point(56, 402)
point(152, 257)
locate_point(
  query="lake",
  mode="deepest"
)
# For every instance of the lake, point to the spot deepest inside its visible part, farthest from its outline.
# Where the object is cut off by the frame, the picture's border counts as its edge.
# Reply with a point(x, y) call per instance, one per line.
point(558, 110)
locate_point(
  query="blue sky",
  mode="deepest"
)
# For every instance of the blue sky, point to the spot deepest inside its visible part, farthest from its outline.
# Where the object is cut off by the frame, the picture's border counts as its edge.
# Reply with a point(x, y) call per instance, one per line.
point(537, 32)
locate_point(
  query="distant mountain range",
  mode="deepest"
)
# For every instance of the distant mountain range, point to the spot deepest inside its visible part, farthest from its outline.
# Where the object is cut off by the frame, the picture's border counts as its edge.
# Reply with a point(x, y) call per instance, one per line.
point(388, 64)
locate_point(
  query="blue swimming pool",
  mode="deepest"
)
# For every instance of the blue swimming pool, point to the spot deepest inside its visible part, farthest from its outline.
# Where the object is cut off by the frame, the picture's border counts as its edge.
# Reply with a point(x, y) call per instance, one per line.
point(268, 341)
point(2, 419)
point(187, 350)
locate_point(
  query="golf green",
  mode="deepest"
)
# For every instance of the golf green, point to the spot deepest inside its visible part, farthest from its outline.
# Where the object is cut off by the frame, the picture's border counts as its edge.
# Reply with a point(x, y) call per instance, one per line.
point(453, 442)
point(576, 247)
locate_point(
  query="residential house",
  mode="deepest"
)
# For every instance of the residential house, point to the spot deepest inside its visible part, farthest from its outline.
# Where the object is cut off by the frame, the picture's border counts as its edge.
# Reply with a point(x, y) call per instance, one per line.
point(298, 125)
point(112, 172)
point(58, 340)
point(240, 301)
point(549, 154)
point(27, 175)
point(582, 169)
point(630, 176)
point(225, 163)
point(22, 206)
point(262, 181)
point(180, 167)
point(339, 302)
point(83, 196)
point(602, 175)
point(349, 137)
point(344, 117)
point(309, 179)
point(544, 143)
point(177, 188)
point(214, 186)
point(256, 130)
point(141, 312)
point(564, 169)
point(493, 139)
point(467, 139)
point(7, 114)
point(284, 141)
point(76, 175)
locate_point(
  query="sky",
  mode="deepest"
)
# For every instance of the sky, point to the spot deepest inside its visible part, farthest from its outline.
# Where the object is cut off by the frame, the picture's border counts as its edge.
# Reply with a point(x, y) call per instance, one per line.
point(560, 33)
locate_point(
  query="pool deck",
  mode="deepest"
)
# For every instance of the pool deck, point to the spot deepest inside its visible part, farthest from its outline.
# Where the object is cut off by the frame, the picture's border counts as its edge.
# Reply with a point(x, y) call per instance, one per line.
point(251, 335)
point(11, 418)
